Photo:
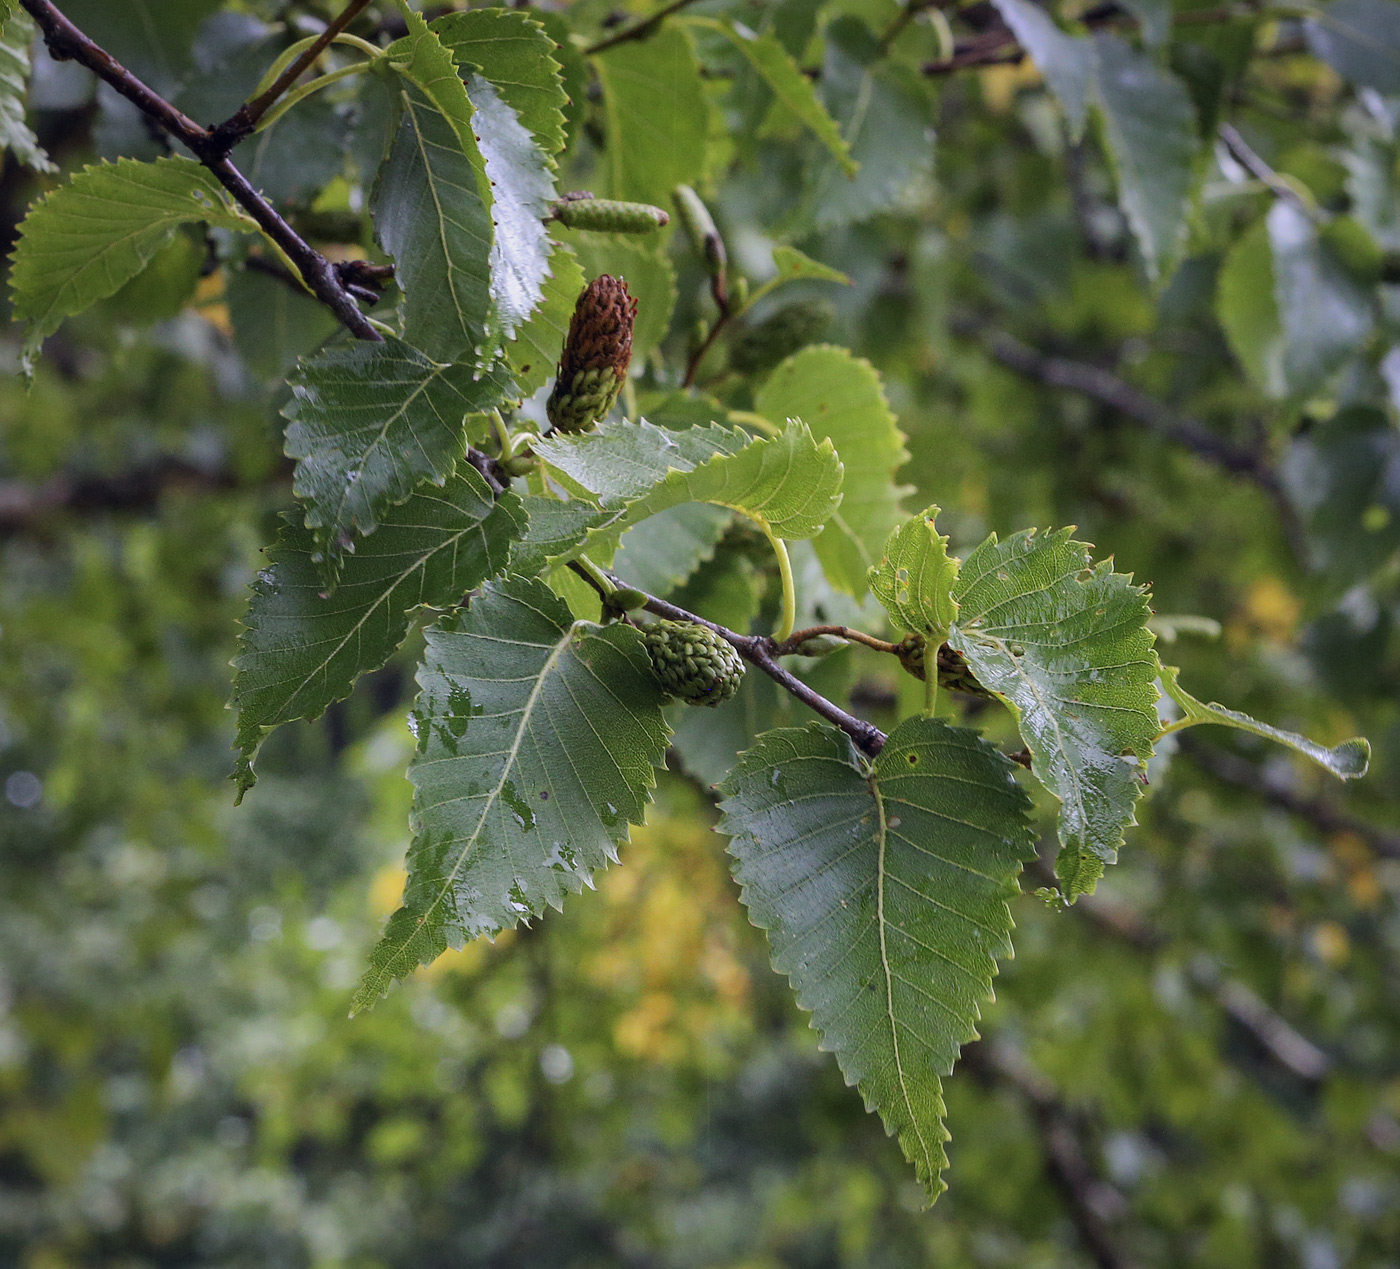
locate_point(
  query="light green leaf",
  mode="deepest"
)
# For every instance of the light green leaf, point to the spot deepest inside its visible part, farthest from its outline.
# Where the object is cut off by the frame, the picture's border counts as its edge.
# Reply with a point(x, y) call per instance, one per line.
point(1066, 61)
point(790, 483)
point(1325, 315)
point(534, 353)
point(886, 116)
point(1064, 642)
point(656, 115)
point(1347, 761)
point(1154, 20)
point(16, 35)
point(537, 743)
point(302, 649)
point(1248, 312)
point(522, 189)
point(1149, 125)
point(840, 397)
point(794, 266)
point(432, 204)
point(512, 50)
point(368, 422)
point(884, 890)
point(915, 578)
point(1360, 40)
point(555, 532)
point(766, 54)
point(91, 235)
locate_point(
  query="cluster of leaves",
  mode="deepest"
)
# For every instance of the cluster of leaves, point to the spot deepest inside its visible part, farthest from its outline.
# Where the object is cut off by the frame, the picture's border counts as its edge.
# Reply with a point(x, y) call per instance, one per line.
point(881, 870)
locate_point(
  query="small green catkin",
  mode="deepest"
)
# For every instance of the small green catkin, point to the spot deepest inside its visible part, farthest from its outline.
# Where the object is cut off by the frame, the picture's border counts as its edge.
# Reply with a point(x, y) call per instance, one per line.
point(763, 345)
point(692, 662)
point(605, 215)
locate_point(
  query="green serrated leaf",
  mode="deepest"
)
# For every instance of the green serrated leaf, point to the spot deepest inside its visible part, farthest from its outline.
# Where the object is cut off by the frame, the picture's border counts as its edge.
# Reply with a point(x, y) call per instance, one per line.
point(432, 204)
point(1349, 760)
point(522, 189)
point(790, 483)
point(1248, 312)
point(884, 890)
point(367, 423)
point(1066, 61)
point(915, 578)
point(302, 649)
point(662, 553)
point(16, 35)
point(886, 117)
point(1150, 129)
point(656, 115)
point(86, 239)
point(534, 354)
point(775, 66)
point(1324, 314)
point(1064, 642)
point(537, 743)
point(512, 50)
point(840, 397)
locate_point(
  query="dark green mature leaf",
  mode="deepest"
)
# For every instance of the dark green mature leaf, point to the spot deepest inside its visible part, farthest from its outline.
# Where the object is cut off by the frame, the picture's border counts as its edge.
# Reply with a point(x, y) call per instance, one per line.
point(153, 38)
point(1066, 61)
point(512, 50)
point(1248, 312)
point(657, 116)
point(790, 484)
point(274, 324)
point(1347, 761)
point(1343, 476)
point(884, 890)
point(776, 67)
point(537, 743)
point(1150, 129)
point(887, 119)
point(1064, 642)
point(1324, 314)
point(660, 554)
point(534, 353)
point(1360, 40)
point(83, 241)
point(840, 397)
point(16, 35)
point(368, 422)
point(915, 578)
point(522, 188)
point(432, 204)
point(302, 649)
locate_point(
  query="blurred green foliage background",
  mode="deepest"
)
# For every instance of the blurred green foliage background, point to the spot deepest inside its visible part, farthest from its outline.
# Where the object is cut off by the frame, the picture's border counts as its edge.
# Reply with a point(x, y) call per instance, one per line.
point(1197, 1066)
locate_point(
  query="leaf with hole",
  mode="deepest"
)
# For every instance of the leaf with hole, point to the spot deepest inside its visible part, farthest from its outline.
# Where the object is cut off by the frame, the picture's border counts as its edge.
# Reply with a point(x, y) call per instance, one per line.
point(883, 887)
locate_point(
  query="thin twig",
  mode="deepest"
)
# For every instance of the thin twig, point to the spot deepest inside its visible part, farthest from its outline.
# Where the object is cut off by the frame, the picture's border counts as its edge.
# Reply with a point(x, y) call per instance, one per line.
point(1322, 815)
point(761, 651)
point(1106, 388)
point(999, 47)
point(245, 119)
point(1248, 158)
point(65, 41)
point(1278, 1037)
point(1092, 1203)
point(638, 30)
point(799, 637)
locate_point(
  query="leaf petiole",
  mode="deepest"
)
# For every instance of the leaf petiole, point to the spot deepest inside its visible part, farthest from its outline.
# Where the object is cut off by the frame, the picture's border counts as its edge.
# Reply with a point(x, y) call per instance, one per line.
point(789, 617)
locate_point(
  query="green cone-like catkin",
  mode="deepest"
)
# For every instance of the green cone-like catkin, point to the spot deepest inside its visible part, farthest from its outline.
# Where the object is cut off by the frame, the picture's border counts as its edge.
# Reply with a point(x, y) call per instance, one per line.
point(596, 353)
point(606, 215)
point(692, 662)
point(794, 326)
